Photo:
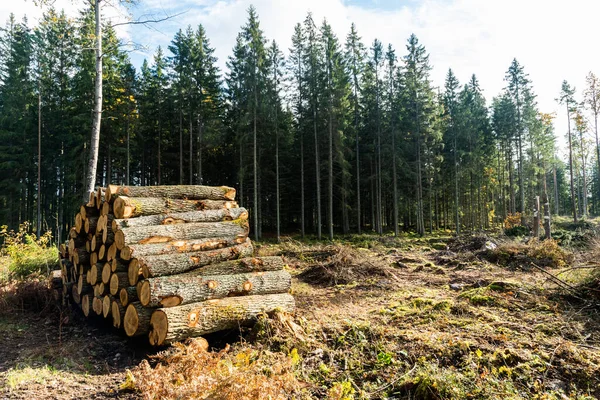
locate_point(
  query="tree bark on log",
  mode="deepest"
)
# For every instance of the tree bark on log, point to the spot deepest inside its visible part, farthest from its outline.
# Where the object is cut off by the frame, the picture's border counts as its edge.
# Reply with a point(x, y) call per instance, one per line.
point(170, 264)
point(130, 207)
point(175, 290)
point(86, 212)
point(194, 192)
point(128, 295)
point(137, 319)
point(168, 233)
point(222, 214)
point(241, 266)
point(178, 246)
point(172, 324)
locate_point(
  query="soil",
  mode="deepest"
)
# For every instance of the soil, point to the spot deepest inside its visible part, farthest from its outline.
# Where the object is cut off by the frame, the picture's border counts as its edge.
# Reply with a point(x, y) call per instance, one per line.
point(436, 325)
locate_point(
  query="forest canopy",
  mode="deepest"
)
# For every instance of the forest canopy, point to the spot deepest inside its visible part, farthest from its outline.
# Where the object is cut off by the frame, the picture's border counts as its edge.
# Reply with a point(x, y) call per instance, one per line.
point(331, 135)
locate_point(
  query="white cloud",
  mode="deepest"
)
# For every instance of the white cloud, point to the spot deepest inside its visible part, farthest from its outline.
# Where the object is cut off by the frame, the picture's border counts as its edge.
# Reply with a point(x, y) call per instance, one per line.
point(552, 39)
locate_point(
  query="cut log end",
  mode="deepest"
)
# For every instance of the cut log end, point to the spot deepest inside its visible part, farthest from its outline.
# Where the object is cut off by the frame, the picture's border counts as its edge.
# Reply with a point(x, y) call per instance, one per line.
point(144, 292)
point(159, 326)
point(106, 306)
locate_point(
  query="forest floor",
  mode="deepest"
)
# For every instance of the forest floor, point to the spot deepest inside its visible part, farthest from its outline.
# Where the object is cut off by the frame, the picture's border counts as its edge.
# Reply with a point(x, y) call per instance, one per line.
point(432, 318)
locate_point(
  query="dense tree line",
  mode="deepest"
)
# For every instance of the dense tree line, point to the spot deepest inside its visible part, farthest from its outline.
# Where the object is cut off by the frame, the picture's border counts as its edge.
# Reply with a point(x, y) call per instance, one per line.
point(338, 136)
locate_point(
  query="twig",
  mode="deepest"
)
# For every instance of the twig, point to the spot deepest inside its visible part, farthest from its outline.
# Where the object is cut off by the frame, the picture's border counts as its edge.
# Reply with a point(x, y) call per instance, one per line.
point(148, 21)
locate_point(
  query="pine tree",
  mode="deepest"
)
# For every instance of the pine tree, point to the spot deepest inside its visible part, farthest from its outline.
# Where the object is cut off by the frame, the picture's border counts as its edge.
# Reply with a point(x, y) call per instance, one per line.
point(355, 54)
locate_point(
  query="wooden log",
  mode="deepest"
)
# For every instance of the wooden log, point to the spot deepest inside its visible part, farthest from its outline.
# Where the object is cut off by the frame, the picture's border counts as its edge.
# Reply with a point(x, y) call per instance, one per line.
point(88, 247)
point(101, 224)
point(118, 313)
point(106, 273)
point(93, 258)
point(108, 236)
point(193, 192)
point(129, 207)
point(86, 304)
point(76, 297)
point(172, 324)
point(73, 233)
point(102, 253)
point(97, 305)
point(137, 319)
point(100, 197)
point(90, 224)
point(81, 257)
point(87, 211)
point(78, 223)
point(134, 272)
point(170, 264)
point(178, 246)
point(222, 214)
point(107, 305)
point(62, 249)
point(175, 290)
point(82, 286)
point(92, 200)
point(169, 233)
point(241, 266)
point(118, 280)
point(128, 295)
point(105, 209)
point(119, 265)
point(100, 289)
point(95, 274)
point(111, 254)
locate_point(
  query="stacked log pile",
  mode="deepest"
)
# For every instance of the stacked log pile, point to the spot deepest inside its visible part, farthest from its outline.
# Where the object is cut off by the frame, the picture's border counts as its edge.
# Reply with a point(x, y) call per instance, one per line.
point(169, 262)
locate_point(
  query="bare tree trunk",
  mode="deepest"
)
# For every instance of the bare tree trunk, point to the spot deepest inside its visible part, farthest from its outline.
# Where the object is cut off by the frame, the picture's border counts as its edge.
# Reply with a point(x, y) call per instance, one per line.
point(330, 216)
point(191, 150)
point(180, 145)
point(317, 171)
point(536, 217)
point(584, 185)
point(255, 162)
point(573, 199)
point(199, 150)
point(39, 162)
point(90, 181)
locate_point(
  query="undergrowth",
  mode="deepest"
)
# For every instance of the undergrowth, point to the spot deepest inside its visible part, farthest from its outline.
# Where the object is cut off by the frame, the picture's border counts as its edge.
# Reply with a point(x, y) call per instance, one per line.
point(23, 254)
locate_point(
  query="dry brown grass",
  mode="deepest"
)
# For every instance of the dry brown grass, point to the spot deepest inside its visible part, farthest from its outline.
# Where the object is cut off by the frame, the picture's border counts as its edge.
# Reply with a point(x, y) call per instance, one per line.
point(187, 371)
point(347, 265)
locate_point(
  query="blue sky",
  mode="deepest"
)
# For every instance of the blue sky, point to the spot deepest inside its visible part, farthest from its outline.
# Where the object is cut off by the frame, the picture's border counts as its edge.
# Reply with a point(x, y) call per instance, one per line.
point(554, 40)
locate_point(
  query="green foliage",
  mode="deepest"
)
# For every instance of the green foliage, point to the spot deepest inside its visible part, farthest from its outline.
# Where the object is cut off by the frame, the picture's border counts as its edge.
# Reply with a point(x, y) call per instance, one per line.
point(26, 254)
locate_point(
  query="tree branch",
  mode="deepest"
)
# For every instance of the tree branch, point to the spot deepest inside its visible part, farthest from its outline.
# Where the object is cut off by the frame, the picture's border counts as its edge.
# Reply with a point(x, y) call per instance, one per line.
point(148, 21)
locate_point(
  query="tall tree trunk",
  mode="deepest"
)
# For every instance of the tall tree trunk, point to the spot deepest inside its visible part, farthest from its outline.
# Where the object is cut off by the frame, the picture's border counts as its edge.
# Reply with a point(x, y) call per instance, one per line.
point(199, 150)
point(255, 163)
point(127, 181)
point(180, 144)
point(302, 202)
point(395, 178)
point(39, 162)
point(556, 200)
point(573, 199)
point(277, 194)
point(584, 184)
point(317, 170)
point(330, 213)
point(456, 194)
point(90, 181)
point(191, 150)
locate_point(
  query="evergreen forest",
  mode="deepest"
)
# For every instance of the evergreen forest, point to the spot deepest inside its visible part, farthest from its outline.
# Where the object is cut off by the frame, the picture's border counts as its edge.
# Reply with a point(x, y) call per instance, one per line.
point(331, 136)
